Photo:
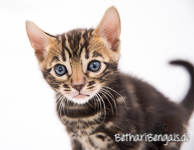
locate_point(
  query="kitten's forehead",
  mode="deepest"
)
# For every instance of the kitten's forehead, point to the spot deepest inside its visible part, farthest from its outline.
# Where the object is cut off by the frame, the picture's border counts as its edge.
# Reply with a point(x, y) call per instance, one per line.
point(75, 42)
point(81, 44)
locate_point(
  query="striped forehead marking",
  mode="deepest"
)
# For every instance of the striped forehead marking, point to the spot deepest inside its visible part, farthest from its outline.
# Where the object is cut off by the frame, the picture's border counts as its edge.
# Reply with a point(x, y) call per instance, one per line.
point(74, 42)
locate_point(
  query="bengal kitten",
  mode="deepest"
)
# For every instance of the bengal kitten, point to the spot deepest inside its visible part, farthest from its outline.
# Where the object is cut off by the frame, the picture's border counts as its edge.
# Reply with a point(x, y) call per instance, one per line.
point(95, 101)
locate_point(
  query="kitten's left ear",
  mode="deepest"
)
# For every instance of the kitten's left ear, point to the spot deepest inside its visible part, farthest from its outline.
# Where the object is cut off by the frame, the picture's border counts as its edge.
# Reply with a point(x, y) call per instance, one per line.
point(110, 27)
point(39, 40)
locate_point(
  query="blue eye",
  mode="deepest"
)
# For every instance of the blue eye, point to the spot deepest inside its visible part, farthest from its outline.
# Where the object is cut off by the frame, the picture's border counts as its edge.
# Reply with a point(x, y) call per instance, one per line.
point(60, 70)
point(94, 66)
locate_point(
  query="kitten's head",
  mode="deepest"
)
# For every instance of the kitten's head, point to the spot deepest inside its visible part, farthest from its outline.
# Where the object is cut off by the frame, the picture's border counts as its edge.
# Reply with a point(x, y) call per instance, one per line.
point(79, 63)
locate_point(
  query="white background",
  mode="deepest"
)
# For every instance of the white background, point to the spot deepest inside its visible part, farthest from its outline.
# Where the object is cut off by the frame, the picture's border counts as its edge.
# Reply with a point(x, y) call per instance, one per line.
point(153, 32)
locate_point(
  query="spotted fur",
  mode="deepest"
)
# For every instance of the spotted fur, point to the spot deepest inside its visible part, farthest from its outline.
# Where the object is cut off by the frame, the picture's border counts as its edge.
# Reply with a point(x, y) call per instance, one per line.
point(119, 103)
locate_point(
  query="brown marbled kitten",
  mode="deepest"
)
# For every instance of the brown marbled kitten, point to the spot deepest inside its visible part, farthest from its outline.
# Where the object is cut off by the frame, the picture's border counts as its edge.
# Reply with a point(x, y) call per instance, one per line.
point(95, 101)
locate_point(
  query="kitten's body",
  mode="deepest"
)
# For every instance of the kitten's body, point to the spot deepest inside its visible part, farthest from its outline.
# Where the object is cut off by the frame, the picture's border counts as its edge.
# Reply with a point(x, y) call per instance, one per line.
point(110, 102)
point(146, 110)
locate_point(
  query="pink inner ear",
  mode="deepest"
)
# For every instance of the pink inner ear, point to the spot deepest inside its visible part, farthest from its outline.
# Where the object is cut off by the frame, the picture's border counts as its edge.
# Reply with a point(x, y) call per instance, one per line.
point(110, 25)
point(37, 38)
point(39, 44)
point(111, 33)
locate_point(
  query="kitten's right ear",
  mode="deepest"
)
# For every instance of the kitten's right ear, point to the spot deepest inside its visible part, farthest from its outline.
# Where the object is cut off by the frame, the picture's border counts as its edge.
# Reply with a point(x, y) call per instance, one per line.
point(38, 39)
point(110, 27)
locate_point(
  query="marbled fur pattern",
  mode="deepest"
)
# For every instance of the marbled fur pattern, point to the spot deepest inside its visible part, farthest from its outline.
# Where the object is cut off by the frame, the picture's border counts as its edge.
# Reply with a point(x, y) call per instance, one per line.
point(120, 103)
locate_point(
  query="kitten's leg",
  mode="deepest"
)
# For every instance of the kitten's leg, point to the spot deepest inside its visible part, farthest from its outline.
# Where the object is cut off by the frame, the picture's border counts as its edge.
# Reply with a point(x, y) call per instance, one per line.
point(76, 145)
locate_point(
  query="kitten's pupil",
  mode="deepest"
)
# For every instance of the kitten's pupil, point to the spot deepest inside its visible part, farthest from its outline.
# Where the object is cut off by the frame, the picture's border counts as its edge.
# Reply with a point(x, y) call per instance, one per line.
point(95, 65)
point(60, 69)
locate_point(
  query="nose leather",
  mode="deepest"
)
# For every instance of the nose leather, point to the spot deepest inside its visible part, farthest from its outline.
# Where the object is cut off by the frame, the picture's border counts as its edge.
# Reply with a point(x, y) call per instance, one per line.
point(78, 87)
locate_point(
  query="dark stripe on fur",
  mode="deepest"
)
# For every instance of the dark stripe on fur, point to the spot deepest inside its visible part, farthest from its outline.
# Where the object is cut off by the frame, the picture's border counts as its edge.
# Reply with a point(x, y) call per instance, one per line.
point(63, 52)
point(96, 54)
point(55, 58)
point(66, 86)
point(70, 55)
point(91, 83)
point(92, 143)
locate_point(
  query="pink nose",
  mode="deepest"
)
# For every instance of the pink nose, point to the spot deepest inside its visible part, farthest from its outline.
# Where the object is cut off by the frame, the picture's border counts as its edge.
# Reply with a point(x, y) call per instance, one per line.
point(78, 87)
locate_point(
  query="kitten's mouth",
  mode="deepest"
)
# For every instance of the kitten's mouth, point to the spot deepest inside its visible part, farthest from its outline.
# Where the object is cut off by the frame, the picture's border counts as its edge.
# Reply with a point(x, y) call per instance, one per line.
point(81, 96)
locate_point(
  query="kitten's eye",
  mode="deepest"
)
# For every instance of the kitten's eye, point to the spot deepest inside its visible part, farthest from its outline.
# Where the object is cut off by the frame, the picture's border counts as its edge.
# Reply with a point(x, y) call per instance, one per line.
point(94, 66)
point(60, 70)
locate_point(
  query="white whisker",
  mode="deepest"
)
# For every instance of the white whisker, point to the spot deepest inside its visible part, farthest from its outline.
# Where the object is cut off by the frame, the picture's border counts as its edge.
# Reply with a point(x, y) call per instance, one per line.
point(107, 99)
point(111, 96)
point(54, 47)
point(104, 107)
point(118, 94)
point(98, 48)
point(100, 106)
point(60, 109)
point(94, 44)
point(54, 52)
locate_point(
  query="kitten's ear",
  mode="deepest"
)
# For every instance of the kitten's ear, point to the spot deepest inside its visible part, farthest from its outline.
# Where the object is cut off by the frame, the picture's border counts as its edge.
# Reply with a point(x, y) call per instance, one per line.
point(38, 39)
point(110, 27)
